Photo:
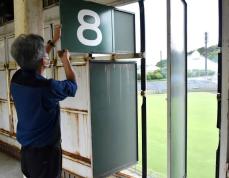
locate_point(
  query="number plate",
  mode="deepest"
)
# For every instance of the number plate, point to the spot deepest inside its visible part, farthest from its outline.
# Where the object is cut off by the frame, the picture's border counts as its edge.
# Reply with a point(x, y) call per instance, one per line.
point(86, 27)
point(89, 27)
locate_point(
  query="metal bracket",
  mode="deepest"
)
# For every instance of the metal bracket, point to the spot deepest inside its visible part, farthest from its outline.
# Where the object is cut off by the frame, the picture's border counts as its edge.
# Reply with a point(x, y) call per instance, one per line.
point(218, 96)
point(142, 55)
point(143, 93)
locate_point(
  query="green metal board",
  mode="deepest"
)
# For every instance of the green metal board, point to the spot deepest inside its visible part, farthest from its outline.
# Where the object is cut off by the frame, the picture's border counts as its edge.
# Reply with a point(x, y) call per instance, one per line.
point(86, 26)
point(177, 89)
point(89, 27)
point(113, 92)
point(124, 31)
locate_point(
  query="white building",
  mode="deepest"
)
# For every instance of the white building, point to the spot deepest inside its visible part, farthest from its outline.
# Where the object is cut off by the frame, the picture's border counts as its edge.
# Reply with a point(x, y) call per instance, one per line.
point(197, 61)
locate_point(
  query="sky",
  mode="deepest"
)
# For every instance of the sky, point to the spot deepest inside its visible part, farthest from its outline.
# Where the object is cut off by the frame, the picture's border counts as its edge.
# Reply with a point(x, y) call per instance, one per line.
point(202, 17)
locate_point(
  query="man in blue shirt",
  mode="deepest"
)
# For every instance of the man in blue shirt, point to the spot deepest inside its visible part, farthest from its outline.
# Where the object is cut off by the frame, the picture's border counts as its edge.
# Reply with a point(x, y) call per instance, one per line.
point(37, 104)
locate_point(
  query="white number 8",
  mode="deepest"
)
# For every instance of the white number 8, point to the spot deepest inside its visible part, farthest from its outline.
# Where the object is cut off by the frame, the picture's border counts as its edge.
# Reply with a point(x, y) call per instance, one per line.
point(89, 26)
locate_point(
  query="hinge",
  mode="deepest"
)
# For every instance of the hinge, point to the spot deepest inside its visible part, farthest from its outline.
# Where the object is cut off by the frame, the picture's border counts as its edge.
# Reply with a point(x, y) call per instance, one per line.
point(219, 96)
point(220, 49)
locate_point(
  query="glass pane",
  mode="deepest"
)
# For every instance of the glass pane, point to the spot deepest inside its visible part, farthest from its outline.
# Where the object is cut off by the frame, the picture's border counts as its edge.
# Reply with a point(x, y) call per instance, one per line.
point(177, 89)
point(203, 136)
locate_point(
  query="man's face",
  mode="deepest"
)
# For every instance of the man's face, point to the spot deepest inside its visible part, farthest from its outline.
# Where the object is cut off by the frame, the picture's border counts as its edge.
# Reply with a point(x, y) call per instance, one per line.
point(46, 60)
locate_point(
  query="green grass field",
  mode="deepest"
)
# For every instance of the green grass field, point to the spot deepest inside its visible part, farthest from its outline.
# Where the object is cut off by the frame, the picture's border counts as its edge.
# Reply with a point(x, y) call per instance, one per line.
point(202, 134)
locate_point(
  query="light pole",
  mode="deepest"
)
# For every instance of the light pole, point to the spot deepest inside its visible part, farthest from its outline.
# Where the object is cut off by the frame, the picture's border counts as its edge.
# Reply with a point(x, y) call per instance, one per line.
point(206, 54)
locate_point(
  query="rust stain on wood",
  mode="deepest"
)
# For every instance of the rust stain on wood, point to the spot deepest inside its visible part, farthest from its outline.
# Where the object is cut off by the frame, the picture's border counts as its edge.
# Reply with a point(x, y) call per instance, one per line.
point(11, 123)
point(77, 157)
point(73, 64)
point(78, 128)
point(3, 100)
point(75, 117)
point(7, 133)
point(4, 132)
point(68, 154)
point(10, 150)
point(12, 106)
point(73, 110)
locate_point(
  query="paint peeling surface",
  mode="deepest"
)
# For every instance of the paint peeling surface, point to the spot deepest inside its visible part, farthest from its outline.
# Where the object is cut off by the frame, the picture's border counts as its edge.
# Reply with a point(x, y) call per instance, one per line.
point(4, 116)
point(3, 85)
point(4, 111)
point(74, 118)
point(75, 134)
point(80, 101)
point(10, 41)
point(15, 120)
point(2, 51)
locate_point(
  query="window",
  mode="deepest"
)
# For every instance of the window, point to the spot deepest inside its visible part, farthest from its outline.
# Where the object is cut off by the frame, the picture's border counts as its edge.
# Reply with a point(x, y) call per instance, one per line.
point(6, 11)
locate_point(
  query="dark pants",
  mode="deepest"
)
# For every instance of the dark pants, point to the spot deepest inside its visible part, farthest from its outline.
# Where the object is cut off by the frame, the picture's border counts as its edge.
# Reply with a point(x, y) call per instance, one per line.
point(44, 162)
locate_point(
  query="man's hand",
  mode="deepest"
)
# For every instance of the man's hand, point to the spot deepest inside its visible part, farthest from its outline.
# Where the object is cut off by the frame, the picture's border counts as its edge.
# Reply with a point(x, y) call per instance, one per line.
point(56, 37)
point(57, 33)
point(64, 55)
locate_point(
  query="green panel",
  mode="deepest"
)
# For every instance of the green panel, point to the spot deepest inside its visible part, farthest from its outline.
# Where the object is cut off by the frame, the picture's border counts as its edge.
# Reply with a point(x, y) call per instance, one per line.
point(89, 27)
point(69, 10)
point(113, 116)
point(177, 89)
point(124, 31)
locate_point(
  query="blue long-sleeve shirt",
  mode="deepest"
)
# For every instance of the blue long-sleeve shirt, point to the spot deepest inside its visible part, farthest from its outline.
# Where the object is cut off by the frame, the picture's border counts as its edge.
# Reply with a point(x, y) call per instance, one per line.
point(37, 104)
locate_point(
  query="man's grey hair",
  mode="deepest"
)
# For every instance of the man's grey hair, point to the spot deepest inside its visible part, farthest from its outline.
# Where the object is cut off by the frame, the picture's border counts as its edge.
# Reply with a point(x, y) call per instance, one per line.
point(28, 50)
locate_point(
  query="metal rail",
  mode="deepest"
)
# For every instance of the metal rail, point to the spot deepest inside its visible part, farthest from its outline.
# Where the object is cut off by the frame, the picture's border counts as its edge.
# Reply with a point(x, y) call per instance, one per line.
point(143, 89)
point(219, 87)
point(186, 81)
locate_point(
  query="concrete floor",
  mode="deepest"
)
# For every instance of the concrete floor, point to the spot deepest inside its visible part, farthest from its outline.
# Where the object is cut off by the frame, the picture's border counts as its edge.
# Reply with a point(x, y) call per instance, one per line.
point(9, 167)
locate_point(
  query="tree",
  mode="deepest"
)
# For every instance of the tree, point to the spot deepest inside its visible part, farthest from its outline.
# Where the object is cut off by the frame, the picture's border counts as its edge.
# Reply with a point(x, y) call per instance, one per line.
point(163, 67)
point(212, 52)
point(155, 75)
point(162, 64)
